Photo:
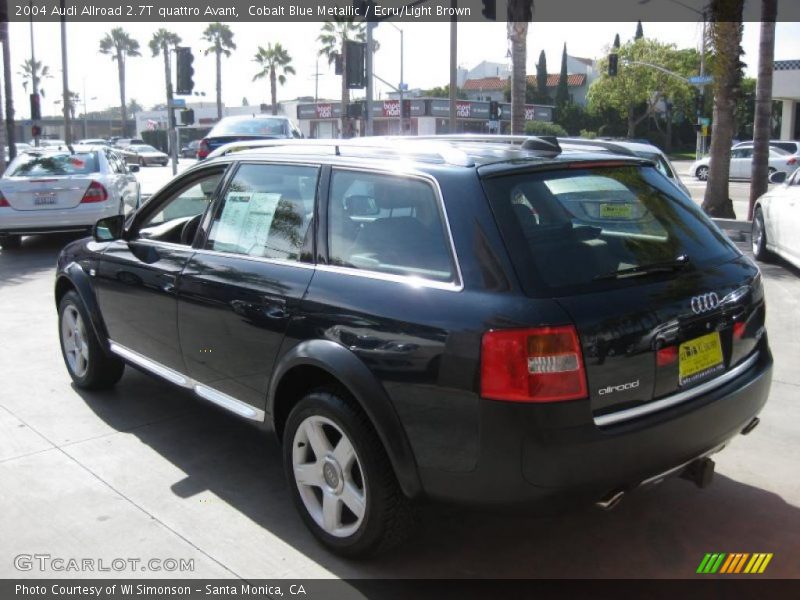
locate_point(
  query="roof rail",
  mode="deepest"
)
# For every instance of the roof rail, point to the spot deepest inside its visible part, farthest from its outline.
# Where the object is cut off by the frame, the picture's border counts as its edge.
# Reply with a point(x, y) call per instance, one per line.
point(441, 153)
point(544, 145)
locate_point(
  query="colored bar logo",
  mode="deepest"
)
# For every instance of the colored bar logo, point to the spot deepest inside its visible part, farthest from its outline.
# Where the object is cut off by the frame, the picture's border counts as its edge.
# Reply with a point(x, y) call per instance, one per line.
point(734, 563)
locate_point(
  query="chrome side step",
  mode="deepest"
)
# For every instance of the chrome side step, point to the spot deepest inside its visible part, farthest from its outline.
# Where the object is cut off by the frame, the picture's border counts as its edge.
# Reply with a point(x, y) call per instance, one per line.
point(203, 391)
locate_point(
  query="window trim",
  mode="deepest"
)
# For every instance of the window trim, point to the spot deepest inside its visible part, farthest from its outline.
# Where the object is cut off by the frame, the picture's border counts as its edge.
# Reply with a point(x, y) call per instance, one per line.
point(455, 286)
point(201, 242)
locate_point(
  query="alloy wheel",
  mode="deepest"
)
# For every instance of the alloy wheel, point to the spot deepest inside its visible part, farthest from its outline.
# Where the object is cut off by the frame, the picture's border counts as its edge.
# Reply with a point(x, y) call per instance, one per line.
point(329, 476)
point(74, 339)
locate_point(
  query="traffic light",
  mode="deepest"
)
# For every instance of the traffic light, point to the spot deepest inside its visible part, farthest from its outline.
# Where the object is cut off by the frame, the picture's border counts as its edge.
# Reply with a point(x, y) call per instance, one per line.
point(494, 110)
point(406, 109)
point(185, 71)
point(36, 131)
point(187, 117)
point(36, 108)
point(355, 110)
point(355, 64)
point(699, 104)
point(489, 10)
point(613, 62)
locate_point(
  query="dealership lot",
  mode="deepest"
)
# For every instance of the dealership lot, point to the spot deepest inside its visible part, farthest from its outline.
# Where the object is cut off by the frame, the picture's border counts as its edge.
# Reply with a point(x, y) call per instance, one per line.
point(145, 472)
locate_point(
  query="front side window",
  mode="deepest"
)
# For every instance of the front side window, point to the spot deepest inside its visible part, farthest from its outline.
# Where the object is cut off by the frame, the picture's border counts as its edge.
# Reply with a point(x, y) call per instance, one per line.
point(266, 212)
point(387, 224)
point(176, 219)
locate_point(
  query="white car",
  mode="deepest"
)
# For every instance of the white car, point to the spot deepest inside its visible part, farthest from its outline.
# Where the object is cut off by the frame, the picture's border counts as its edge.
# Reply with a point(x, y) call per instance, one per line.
point(55, 191)
point(791, 146)
point(742, 162)
point(146, 155)
point(776, 222)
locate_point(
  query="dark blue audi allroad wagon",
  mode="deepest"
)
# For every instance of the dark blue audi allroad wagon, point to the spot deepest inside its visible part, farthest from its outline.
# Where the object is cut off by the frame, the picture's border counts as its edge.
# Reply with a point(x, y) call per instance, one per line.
point(484, 320)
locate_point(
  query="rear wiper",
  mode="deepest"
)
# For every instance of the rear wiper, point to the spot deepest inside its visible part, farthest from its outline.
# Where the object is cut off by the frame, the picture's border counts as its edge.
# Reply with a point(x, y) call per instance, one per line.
point(675, 264)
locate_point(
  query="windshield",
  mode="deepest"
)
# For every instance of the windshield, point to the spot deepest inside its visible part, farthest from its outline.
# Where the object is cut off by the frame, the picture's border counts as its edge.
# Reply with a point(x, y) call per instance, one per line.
point(38, 165)
point(565, 229)
point(256, 126)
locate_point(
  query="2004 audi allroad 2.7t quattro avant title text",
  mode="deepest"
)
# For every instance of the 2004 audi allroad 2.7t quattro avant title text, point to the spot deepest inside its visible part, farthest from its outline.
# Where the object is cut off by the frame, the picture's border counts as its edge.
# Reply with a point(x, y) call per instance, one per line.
point(493, 321)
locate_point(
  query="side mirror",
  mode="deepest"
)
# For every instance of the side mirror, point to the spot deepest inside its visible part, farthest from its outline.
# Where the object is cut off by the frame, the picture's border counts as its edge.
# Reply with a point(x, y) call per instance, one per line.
point(109, 228)
point(133, 168)
point(777, 177)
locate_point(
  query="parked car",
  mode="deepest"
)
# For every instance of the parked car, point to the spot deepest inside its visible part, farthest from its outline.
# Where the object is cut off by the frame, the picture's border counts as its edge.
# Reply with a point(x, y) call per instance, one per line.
point(20, 148)
point(640, 148)
point(125, 142)
point(791, 146)
point(93, 142)
point(46, 143)
point(257, 127)
point(148, 155)
point(465, 321)
point(776, 221)
point(190, 149)
point(55, 191)
point(742, 162)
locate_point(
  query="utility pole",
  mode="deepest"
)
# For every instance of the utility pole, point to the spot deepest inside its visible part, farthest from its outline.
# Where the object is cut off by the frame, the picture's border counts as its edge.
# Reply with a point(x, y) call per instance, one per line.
point(700, 149)
point(453, 66)
point(368, 117)
point(64, 78)
point(172, 134)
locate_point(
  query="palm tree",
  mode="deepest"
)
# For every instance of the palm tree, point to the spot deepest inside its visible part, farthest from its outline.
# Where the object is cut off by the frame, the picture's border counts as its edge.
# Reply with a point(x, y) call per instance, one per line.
point(163, 42)
point(34, 72)
point(220, 37)
point(4, 41)
point(272, 60)
point(520, 13)
point(119, 45)
point(763, 117)
point(333, 36)
point(726, 39)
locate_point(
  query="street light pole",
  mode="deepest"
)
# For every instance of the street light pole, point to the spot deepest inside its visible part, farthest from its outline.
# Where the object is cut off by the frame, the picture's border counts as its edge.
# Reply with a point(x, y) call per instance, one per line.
point(700, 147)
point(368, 116)
point(65, 78)
point(402, 82)
point(34, 74)
point(453, 66)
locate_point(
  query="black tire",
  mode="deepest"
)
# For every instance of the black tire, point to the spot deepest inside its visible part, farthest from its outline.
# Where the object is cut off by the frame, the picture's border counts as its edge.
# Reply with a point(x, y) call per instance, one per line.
point(702, 173)
point(102, 371)
point(388, 516)
point(758, 235)
point(11, 242)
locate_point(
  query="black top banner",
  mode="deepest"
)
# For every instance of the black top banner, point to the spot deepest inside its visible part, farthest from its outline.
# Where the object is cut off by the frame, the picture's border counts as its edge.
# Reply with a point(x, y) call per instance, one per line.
point(121, 11)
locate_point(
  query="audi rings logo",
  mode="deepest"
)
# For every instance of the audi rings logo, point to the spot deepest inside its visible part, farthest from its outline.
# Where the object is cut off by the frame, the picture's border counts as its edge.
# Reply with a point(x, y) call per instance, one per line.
point(704, 302)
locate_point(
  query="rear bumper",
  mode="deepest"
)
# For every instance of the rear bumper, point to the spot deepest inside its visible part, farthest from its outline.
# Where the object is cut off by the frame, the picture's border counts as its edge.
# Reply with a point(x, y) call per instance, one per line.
point(554, 456)
point(31, 222)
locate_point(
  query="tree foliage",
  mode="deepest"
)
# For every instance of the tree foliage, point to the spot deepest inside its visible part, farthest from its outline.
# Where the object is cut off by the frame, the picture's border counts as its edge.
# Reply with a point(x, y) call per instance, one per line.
point(637, 89)
point(562, 91)
point(276, 64)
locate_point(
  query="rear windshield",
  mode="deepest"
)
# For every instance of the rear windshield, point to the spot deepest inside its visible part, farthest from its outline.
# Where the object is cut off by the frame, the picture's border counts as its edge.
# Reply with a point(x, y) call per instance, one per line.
point(37, 165)
point(276, 127)
point(789, 147)
point(570, 229)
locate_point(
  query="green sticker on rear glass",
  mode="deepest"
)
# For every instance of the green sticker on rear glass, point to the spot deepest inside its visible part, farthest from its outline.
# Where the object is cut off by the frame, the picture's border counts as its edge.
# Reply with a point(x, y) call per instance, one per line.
point(617, 210)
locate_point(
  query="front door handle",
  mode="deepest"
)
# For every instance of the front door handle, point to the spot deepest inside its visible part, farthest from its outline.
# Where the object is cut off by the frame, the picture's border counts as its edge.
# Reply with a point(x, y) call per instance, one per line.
point(167, 282)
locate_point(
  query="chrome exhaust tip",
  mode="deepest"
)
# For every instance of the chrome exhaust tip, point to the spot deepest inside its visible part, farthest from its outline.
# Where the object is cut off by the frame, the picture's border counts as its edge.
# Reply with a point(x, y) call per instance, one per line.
point(751, 425)
point(610, 501)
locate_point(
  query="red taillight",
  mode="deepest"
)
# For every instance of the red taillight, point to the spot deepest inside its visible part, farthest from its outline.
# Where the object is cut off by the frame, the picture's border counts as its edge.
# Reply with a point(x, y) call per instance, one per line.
point(667, 356)
point(792, 161)
point(95, 193)
point(738, 330)
point(532, 365)
point(203, 149)
point(3, 202)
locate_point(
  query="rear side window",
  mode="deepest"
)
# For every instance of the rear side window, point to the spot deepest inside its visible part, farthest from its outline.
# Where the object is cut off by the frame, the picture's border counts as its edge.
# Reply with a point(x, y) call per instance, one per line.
point(42, 165)
point(387, 224)
point(256, 126)
point(266, 212)
point(569, 229)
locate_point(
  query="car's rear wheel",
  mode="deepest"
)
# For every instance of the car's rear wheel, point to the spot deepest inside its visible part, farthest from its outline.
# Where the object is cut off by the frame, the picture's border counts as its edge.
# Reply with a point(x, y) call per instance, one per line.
point(759, 237)
point(88, 365)
point(702, 173)
point(11, 242)
point(340, 477)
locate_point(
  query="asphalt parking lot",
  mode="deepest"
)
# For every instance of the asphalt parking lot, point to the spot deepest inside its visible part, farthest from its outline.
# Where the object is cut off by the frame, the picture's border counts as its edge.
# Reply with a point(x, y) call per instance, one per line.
point(145, 471)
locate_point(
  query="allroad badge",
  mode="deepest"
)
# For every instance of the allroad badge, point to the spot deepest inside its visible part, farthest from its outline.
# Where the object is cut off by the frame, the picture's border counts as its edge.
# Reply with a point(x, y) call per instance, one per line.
point(704, 302)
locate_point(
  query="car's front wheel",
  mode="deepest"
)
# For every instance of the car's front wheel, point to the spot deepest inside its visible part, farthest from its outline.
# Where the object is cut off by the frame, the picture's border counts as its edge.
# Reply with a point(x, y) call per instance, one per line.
point(340, 477)
point(759, 237)
point(702, 173)
point(88, 365)
point(11, 242)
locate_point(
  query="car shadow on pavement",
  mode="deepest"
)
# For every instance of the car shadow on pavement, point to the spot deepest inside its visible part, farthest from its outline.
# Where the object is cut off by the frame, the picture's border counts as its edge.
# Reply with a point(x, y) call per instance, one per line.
point(38, 253)
point(663, 531)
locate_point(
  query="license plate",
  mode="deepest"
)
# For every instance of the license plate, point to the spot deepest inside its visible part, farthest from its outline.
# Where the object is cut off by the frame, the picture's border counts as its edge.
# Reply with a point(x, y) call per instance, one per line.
point(699, 358)
point(45, 199)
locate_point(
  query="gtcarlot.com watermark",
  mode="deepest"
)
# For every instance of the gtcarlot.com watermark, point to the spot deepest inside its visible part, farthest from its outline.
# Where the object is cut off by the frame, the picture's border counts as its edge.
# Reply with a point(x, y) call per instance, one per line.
point(47, 563)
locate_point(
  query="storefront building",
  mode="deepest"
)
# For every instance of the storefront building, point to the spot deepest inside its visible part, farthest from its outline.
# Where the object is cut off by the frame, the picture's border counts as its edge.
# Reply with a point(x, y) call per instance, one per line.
point(423, 116)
